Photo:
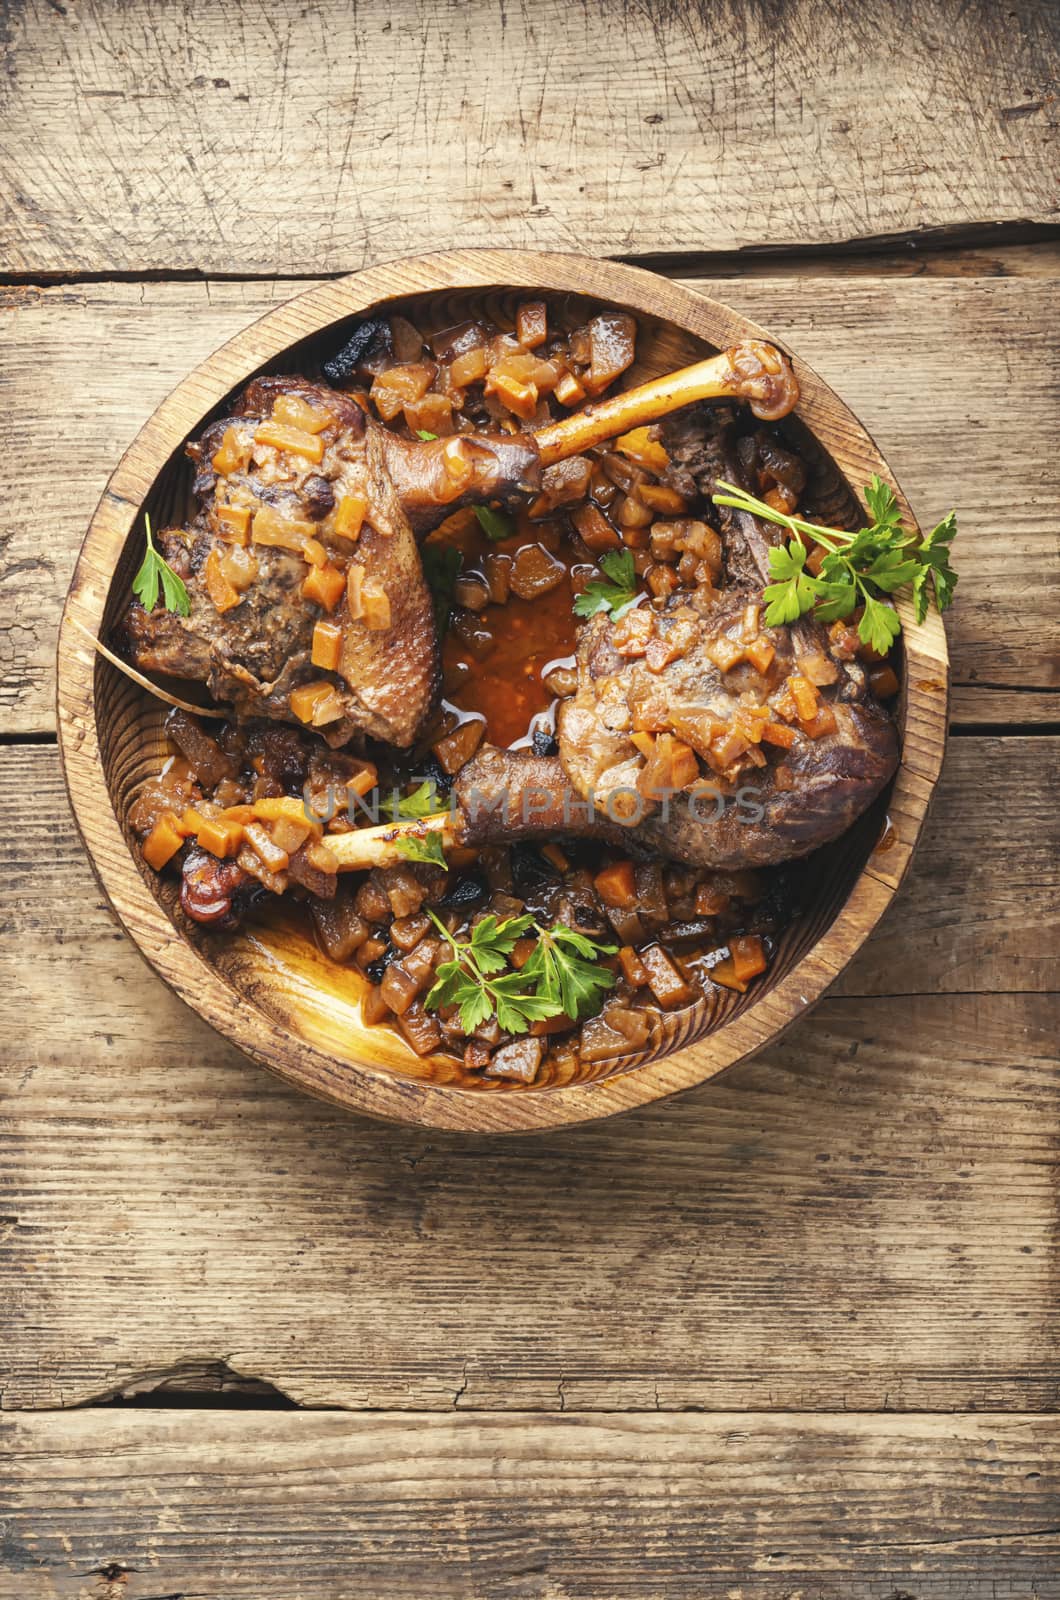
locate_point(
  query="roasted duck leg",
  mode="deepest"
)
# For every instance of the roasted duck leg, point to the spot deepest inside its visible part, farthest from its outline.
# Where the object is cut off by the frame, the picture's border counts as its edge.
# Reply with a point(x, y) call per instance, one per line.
point(696, 731)
point(783, 716)
point(308, 601)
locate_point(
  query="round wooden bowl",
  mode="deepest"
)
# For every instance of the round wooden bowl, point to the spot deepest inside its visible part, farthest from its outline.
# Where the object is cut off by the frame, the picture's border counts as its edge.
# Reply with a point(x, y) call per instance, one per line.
point(267, 988)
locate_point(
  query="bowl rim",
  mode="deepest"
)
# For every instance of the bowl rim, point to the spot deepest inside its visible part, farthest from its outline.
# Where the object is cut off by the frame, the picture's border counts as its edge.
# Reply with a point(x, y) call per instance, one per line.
point(374, 1090)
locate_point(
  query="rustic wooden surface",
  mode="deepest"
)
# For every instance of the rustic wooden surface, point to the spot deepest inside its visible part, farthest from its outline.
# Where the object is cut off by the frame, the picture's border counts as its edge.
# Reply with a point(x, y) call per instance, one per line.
point(795, 1334)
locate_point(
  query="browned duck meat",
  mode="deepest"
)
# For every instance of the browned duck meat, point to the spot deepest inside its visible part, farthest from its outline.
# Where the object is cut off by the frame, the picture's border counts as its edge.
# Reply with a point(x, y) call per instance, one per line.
point(725, 742)
point(308, 601)
point(747, 746)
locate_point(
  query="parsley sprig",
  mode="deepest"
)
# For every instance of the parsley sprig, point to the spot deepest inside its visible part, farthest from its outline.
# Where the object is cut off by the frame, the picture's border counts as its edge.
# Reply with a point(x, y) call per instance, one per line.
point(154, 571)
point(615, 596)
point(422, 802)
point(422, 847)
point(857, 568)
point(496, 525)
point(562, 976)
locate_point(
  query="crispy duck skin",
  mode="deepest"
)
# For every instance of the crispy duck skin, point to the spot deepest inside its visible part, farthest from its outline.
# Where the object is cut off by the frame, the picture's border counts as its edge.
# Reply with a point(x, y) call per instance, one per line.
point(827, 781)
point(253, 655)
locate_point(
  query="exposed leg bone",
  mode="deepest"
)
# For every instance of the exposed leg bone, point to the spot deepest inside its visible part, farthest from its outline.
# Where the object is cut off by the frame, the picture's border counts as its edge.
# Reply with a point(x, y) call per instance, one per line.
point(754, 372)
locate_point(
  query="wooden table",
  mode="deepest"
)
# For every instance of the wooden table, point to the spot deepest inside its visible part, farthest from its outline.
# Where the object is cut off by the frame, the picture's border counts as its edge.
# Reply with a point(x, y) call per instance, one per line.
point(794, 1335)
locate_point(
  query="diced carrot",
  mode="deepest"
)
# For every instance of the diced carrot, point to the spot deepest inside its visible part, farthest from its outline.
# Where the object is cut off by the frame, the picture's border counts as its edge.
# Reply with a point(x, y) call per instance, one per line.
point(569, 392)
point(556, 856)
point(398, 385)
point(270, 807)
point(665, 980)
point(784, 705)
point(431, 414)
point(748, 956)
point(163, 842)
point(724, 652)
point(518, 397)
point(349, 517)
point(662, 581)
point(531, 324)
point(240, 813)
point(639, 446)
point(645, 743)
point(595, 530)
point(221, 592)
point(270, 527)
point(711, 901)
point(883, 682)
point(375, 607)
point(233, 454)
point(290, 833)
point(265, 848)
point(724, 972)
point(662, 498)
point(233, 523)
point(759, 653)
point(314, 552)
point(327, 646)
point(294, 440)
point(365, 781)
point(820, 725)
point(633, 968)
point(468, 367)
point(684, 768)
point(221, 836)
point(293, 412)
point(616, 885)
point(522, 950)
point(777, 733)
point(310, 700)
point(805, 696)
point(324, 585)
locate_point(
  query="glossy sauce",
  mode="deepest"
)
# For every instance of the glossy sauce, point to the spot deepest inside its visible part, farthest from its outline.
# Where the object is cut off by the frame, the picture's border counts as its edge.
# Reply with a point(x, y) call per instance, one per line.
point(529, 636)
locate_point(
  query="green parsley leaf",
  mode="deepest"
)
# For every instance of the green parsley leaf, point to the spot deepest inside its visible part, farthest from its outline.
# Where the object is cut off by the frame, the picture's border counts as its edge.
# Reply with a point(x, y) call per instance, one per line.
point(154, 571)
point(616, 595)
point(422, 847)
point(935, 553)
point(857, 567)
point(423, 433)
point(562, 977)
point(879, 626)
point(441, 568)
point(495, 525)
point(422, 802)
point(836, 599)
point(794, 591)
point(880, 499)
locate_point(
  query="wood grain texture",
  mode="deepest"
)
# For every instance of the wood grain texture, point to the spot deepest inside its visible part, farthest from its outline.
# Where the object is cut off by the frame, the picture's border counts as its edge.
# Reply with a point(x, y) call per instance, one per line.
point(555, 1508)
point(919, 361)
point(862, 1218)
point(330, 138)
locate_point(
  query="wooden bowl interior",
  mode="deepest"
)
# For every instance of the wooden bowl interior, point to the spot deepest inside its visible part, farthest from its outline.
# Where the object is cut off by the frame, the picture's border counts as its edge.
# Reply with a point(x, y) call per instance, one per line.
point(274, 965)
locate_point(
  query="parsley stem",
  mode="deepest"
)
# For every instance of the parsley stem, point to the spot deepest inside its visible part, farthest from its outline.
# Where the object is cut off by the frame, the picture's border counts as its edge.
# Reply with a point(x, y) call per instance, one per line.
point(831, 538)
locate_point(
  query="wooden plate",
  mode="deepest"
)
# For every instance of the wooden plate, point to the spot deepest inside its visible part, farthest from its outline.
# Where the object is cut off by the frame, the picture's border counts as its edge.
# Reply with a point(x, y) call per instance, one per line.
point(268, 989)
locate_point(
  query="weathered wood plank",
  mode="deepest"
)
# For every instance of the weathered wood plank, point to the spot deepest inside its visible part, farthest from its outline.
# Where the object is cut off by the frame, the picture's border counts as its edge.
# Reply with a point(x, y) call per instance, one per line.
point(827, 1508)
point(863, 1217)
point(978, 705)
point(143, 136)
point(920, 361)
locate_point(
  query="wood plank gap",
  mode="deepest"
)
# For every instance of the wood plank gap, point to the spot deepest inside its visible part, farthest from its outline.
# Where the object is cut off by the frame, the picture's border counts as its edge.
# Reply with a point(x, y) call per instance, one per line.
point(989, 250)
